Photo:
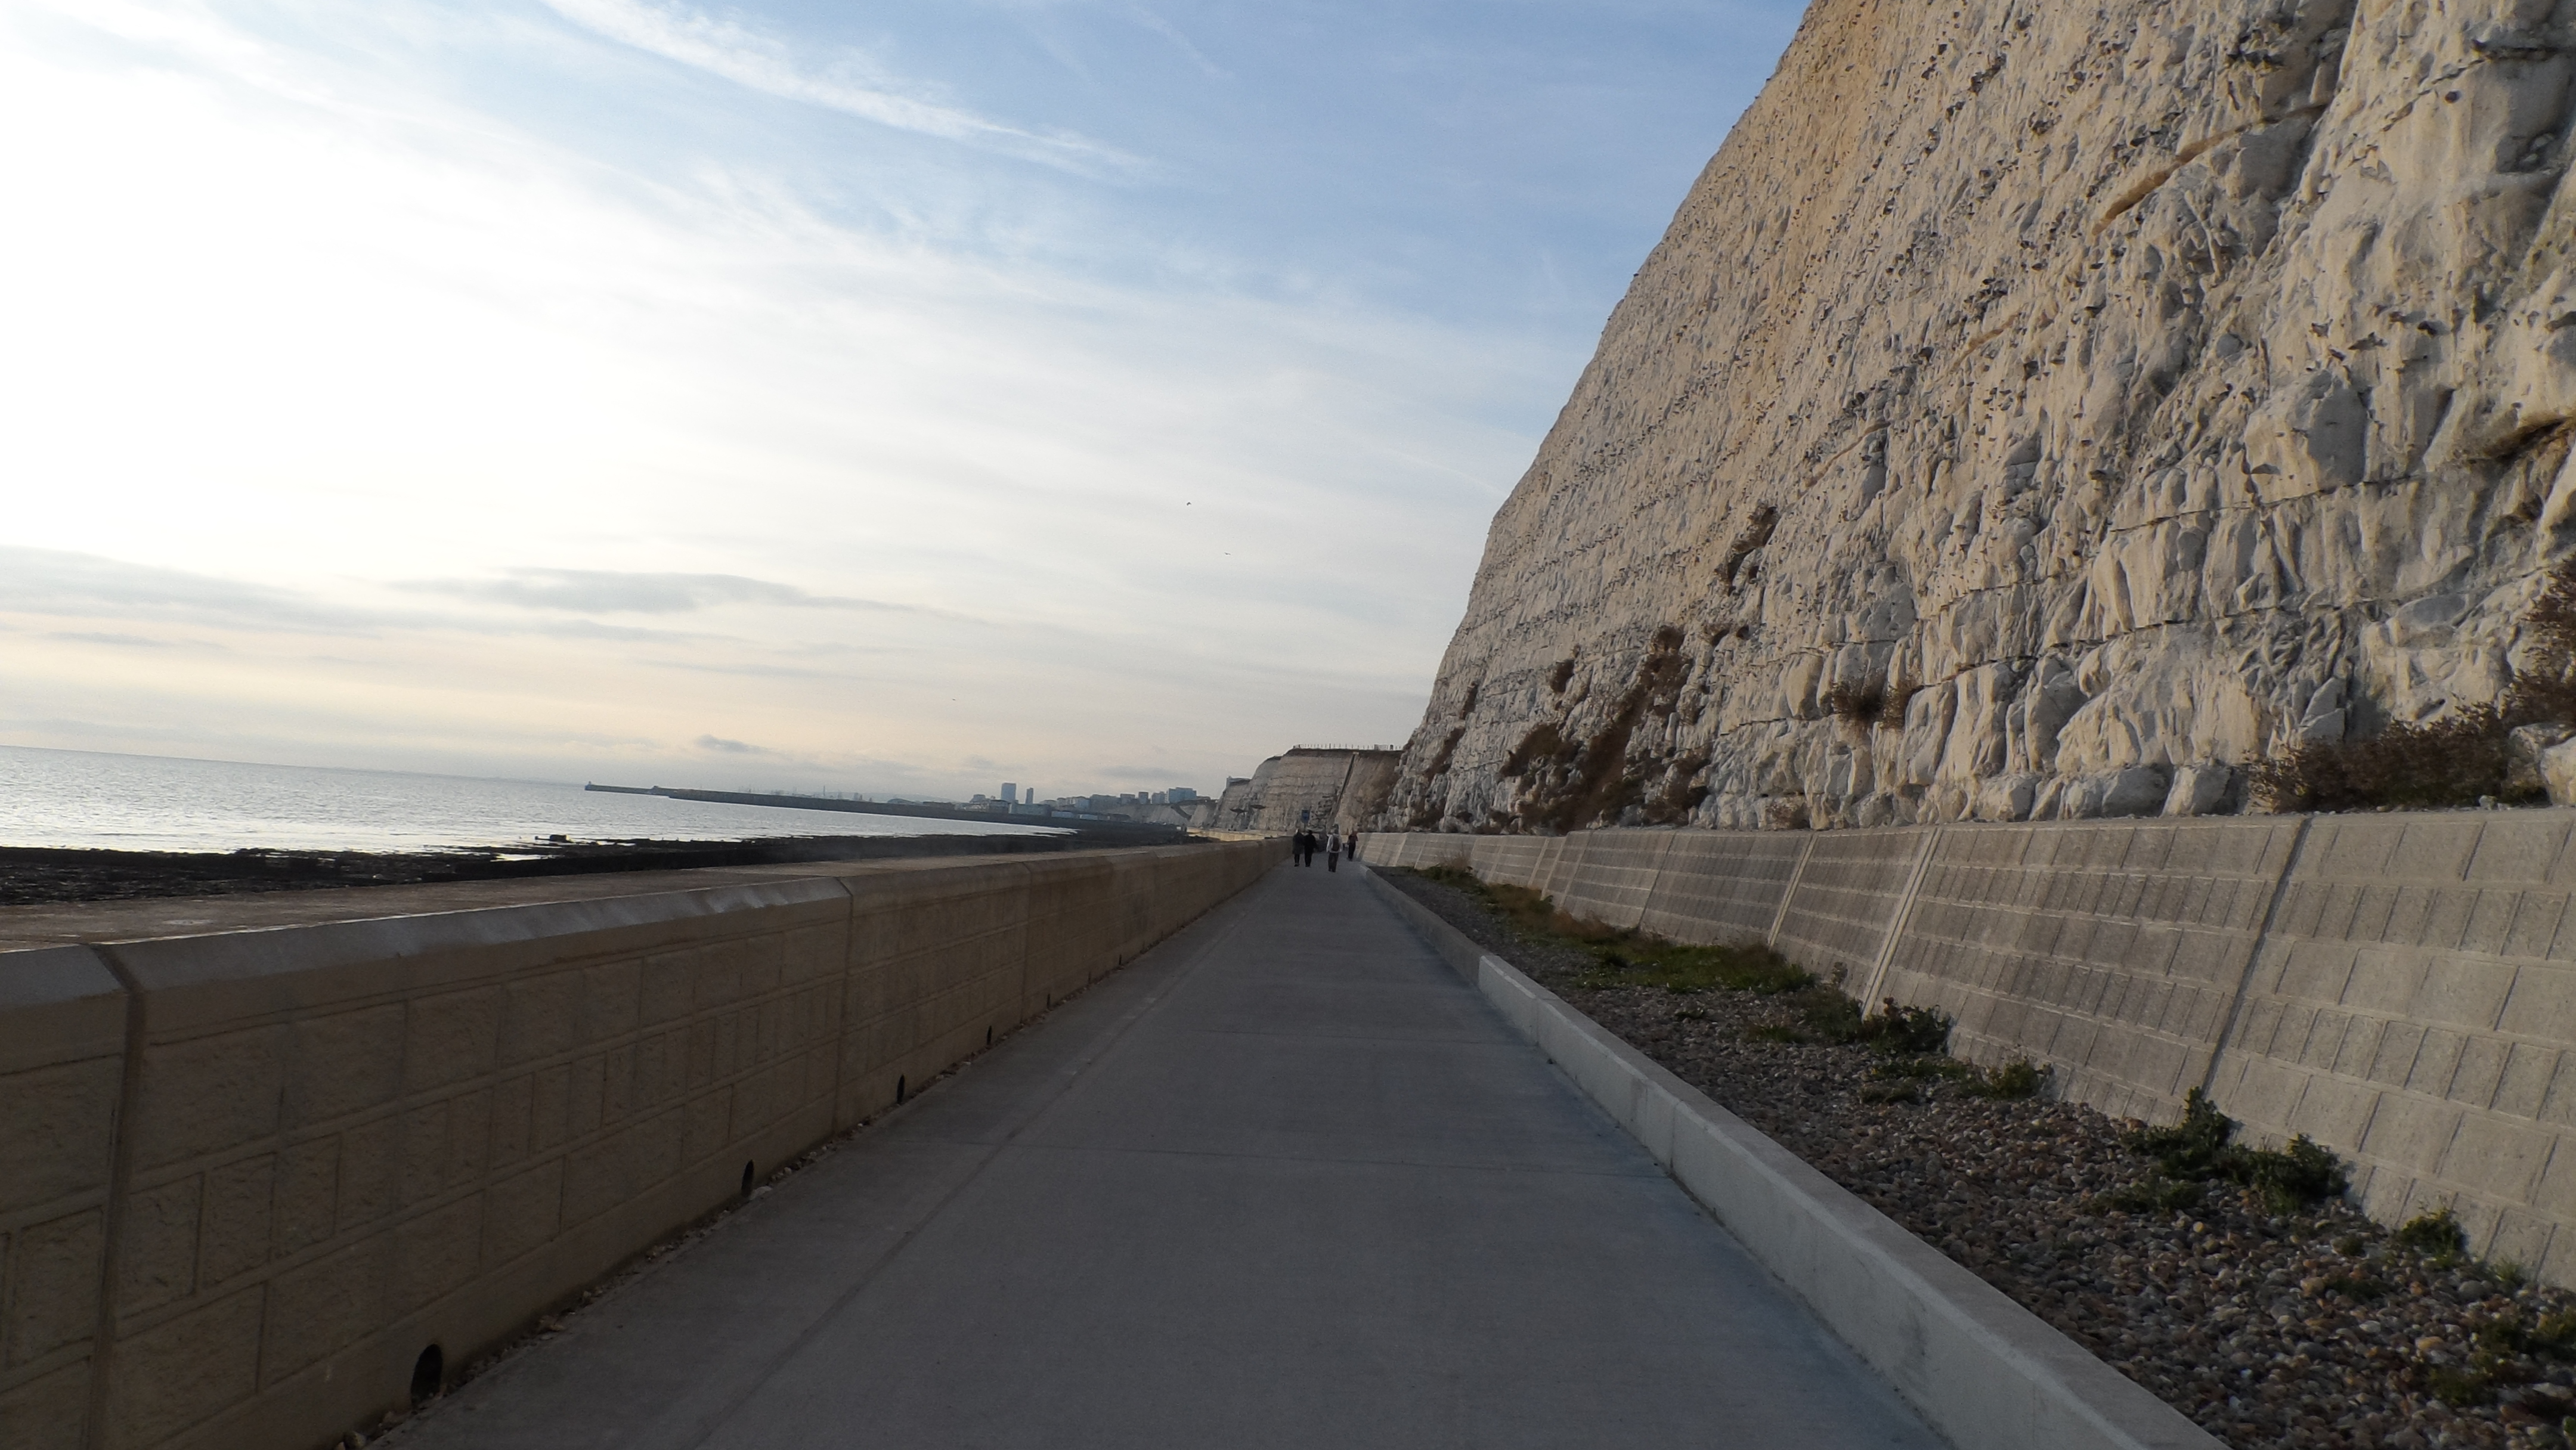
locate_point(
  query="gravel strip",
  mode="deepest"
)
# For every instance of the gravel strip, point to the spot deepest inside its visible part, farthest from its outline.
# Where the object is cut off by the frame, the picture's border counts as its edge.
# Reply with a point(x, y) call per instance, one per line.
point(2319, 1329)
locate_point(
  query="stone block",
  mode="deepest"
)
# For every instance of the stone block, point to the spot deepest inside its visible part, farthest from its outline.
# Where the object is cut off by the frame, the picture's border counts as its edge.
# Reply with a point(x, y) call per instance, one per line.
point(2535, 924)
point(2465, 992)
point(56, 1125)
point(612, 1000)
point(2490, 925)
point(2407, 919)
point(306, 1207)
point(2379, 980)
point(2351, 848)
point(436, 1253)
point(53, 1290)
point(177, 1374)
point(342, 1063)
point(451, 1037)
point(2517, 849)
point(2331, 1111)
point(2372, 908)
point(208, 1094)
point(2436, 847)
point(50, 1412)
point(2496, 1158)
point(2541, 1004)
point(2555, 1192)
point(521, 1214)
point(2315, 971)
point(2528, 1069)
point(2521, 1237)
point(2360, 1048)
point(2448, 923)
point(424, 1153)
point(236, 1219)
point(321, 1308)
point(2411, 1131)
point(2480, 1071)
point(2325, 1041)
point(2394, 1061)
point(156, 1259)
point(2435, 1062)
point(541, 1016)
point(371, 1164)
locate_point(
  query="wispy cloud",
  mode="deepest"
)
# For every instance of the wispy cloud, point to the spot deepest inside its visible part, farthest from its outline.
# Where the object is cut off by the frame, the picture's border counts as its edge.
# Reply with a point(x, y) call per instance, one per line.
point(726, 48)
point(722, 746)
point(607, 591)
point(57, 582)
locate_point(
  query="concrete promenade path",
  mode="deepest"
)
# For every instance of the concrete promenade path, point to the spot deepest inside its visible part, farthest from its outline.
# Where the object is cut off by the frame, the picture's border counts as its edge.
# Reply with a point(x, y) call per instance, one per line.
point(1283, 1181)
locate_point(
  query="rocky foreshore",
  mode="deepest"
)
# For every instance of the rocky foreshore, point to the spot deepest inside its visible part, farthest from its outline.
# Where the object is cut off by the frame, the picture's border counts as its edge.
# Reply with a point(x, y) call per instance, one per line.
point(2311, 1327)
point(32, 875)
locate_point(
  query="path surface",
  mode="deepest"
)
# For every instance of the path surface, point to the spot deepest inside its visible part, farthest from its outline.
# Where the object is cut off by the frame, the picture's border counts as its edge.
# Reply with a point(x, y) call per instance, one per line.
point(1284, 1181)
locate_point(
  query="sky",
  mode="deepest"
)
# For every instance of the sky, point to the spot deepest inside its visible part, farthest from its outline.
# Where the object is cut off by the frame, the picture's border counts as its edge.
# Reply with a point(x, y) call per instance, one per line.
point(866, 397)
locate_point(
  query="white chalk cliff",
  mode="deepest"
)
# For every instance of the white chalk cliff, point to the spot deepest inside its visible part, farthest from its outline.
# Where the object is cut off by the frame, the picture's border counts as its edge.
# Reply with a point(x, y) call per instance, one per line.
point(2042, 411)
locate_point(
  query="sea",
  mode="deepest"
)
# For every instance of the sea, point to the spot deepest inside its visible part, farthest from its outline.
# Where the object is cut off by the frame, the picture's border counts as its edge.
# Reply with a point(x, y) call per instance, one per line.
point(87, 799)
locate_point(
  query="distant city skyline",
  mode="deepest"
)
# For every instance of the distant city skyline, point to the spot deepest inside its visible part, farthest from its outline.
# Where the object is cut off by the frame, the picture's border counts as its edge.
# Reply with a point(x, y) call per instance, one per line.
point(912, 399)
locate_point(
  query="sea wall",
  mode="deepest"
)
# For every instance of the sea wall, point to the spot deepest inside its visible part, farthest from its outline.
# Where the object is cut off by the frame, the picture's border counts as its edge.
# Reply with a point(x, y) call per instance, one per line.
point(258, 1154)
point(2400, 987)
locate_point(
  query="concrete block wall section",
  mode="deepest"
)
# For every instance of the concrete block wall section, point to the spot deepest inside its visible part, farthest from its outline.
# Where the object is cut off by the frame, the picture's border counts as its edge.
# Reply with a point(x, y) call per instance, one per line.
point(2111, 951)
point(323, 1147)
point(2400, 987)
point(1846, 896)
point(2414, 1006)
point(62, 1058)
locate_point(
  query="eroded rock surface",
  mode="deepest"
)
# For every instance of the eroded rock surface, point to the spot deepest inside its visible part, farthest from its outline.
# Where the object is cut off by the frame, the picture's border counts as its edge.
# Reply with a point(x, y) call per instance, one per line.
point(2040, 412)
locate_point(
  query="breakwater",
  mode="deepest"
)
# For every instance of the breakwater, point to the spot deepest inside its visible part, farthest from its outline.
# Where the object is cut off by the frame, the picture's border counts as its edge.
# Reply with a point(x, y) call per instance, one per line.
point(2401, 987)
point(266, 1161)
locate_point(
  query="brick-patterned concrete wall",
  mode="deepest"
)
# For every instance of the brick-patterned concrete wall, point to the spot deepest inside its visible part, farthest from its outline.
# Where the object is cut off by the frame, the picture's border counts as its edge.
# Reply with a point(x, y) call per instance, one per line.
point(62, 1056)
point(1606, 876)
point(2401, 987)
point(2111, 951)
point(341, 1142)
point(2414, 1007)
point(1516, 860)
point(1723, 886)
point(1847, 896)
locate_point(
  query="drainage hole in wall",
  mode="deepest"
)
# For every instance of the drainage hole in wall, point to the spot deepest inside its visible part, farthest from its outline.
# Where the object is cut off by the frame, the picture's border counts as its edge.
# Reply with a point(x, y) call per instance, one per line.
point(428, 1373)
point(898, 1089)
point(988, 1037)
point(746, 1180)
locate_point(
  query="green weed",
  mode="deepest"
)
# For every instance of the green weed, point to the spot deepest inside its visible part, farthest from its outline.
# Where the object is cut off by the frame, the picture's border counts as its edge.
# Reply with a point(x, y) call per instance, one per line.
point(2201, 1149)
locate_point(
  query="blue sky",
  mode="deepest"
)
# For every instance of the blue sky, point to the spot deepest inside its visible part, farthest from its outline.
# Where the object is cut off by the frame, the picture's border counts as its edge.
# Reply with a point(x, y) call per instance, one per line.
point(872, 397)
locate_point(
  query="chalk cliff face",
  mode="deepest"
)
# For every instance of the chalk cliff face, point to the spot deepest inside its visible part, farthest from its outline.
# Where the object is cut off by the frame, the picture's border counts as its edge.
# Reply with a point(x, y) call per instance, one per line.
point(2044, 411)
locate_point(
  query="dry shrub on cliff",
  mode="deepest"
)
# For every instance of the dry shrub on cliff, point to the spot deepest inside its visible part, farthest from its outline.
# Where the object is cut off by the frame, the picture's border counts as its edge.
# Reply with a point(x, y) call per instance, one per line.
point(2455, 761)
point(2449, 762)
point(1879, 703)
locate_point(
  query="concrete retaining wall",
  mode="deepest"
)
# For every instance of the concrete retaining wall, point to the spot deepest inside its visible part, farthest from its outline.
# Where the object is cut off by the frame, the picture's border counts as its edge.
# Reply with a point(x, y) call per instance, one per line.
point(251, 1167)
point(2400, 987)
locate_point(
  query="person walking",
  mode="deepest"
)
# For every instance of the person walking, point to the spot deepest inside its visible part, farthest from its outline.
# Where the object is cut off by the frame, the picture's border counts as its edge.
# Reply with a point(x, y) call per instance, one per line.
point(1297, 847)
point(1333, 850)
point(1355, 845)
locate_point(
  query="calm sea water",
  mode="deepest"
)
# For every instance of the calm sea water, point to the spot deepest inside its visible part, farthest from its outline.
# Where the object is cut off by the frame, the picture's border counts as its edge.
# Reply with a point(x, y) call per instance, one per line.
point(152, 803)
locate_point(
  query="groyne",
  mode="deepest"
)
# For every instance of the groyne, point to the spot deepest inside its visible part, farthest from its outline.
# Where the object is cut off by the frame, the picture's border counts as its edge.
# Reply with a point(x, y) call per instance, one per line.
point(268, 1162)
point(2399, 987)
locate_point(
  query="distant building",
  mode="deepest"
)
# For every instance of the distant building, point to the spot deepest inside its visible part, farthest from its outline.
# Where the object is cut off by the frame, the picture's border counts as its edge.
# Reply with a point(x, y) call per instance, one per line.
point(1180, 793)
point(1010, 794)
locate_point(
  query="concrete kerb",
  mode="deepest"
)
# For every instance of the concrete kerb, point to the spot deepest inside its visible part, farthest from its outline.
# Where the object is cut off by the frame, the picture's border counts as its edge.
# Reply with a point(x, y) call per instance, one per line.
point(1984, 1371)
